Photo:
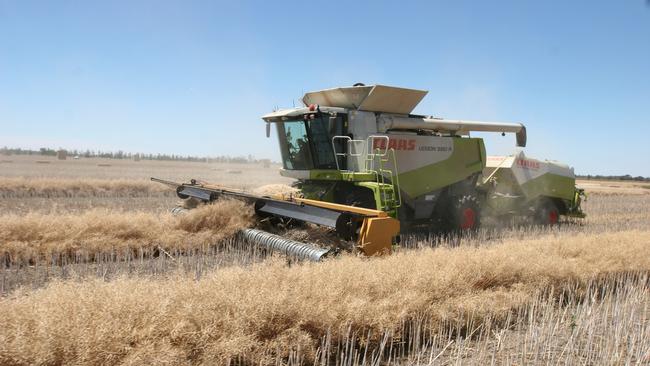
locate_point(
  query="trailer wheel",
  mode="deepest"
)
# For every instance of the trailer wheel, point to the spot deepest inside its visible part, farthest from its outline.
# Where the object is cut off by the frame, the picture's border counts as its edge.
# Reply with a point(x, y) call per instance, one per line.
point(465, 215)
point(547, 213)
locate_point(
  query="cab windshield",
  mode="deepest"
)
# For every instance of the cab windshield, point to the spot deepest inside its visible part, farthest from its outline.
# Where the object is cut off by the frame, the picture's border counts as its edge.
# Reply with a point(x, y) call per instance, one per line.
point(307, 143)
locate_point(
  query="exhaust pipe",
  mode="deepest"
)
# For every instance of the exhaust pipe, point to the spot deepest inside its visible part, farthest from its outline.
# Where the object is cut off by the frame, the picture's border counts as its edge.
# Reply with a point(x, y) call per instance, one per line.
point(285, 246)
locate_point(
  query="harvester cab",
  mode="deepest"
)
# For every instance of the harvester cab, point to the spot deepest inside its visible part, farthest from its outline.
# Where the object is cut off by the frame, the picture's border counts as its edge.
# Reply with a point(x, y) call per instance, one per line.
point(361, 146)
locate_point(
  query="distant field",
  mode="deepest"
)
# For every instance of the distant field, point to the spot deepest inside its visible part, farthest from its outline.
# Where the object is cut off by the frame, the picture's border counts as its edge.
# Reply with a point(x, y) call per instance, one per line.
point(84, 184)
point(238, 175)
point(94, 270)
point(614, 187)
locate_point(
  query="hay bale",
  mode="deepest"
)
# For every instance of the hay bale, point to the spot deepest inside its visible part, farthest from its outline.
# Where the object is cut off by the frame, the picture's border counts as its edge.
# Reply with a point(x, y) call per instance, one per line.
point(61, 154)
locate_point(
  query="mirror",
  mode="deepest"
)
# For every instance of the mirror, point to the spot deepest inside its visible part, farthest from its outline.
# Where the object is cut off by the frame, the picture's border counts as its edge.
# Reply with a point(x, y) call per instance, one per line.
point(268, 129)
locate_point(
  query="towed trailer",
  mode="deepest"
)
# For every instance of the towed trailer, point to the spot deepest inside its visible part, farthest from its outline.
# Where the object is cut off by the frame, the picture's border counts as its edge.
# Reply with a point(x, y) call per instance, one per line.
point(520, 186)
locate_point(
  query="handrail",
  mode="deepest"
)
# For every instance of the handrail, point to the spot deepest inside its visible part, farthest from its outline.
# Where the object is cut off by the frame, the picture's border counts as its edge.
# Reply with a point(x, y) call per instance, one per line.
point(380, 176)
point(374, 161)
point(371, 142)
point(350, 143)
point(370, 148)
point(396, 185)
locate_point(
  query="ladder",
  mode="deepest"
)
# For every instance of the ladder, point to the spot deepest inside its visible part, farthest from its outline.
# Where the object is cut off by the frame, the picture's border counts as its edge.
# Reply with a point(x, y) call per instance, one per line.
point(387, 179)
point(375, 161)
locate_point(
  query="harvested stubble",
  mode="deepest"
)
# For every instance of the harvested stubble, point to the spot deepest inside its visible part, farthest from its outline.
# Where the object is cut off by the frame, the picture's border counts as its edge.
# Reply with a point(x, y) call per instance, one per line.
point(37, 236)
point(266, 312)
point(57, 195)
point(68, 205)
point(252, 175)
point(606, 322)
point(20, 187)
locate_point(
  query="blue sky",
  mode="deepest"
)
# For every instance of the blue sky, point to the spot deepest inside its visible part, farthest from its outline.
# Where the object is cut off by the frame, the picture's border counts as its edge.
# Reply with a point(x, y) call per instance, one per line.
point(193, 77)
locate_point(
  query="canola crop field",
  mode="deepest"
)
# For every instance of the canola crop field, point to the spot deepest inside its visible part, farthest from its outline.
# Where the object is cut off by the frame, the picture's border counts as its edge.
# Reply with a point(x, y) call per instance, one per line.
point(94, 270)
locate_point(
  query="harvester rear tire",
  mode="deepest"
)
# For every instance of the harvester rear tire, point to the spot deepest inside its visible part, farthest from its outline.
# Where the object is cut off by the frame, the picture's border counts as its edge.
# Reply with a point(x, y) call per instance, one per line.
point(464, 215)
point(547, 213)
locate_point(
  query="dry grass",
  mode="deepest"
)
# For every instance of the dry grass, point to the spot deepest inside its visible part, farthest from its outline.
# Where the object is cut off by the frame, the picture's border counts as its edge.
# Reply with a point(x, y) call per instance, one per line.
point(78, 205)
point(252, 175)
point(613, 187)
point(270, 311)
point(575, 294)
point(20, 187)
point(34, 237)
point(605, 322)
point(275, 190)
point(21, 195)
point(38, 236)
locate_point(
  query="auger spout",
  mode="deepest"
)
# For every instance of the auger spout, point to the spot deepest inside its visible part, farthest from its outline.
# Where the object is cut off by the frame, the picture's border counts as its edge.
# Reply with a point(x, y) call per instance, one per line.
point(461, 127)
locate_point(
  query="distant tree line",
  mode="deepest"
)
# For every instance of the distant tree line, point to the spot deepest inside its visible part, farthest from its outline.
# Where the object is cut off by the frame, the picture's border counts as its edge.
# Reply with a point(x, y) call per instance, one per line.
point(615, 177)
point(44, 151)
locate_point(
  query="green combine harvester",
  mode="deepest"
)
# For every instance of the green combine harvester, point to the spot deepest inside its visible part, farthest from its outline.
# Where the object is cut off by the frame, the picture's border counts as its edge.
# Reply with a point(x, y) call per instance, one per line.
point(361, 146)
point(369, 170)
point(517, 186)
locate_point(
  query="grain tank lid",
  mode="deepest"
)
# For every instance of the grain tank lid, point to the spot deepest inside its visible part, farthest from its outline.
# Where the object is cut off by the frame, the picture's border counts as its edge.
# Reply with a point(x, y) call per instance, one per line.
point(372, 98)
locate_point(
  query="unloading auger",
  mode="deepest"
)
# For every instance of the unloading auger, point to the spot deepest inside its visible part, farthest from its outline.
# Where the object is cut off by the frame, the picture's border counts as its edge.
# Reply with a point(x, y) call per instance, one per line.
point(373, 232)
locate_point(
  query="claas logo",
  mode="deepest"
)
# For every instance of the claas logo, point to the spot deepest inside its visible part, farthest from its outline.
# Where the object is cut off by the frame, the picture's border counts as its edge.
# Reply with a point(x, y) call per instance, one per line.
point(528, 163)
point(397, 144)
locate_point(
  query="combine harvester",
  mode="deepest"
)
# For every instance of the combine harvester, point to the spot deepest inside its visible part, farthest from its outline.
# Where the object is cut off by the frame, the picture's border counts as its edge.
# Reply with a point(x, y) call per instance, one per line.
point(369, 169)
point(519, 187)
